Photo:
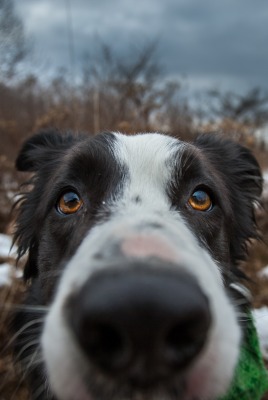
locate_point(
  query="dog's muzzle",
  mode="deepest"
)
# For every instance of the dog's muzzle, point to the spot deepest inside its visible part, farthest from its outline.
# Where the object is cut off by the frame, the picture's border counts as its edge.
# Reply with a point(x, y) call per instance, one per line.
point(141, 320)
point(138, 311)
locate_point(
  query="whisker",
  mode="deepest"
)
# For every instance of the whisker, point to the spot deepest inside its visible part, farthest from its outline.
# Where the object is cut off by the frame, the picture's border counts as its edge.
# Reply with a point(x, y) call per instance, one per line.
point(244, 315)
point(32, 332)
point(25, 326)
point(240, 302)
point(24, 307)
point(24, 348)
point(39, 391)
point(33, 363)
point(29, 366)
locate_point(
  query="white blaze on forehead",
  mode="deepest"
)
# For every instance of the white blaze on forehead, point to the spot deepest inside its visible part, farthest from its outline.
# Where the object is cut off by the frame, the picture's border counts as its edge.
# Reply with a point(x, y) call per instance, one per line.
point(149, 159)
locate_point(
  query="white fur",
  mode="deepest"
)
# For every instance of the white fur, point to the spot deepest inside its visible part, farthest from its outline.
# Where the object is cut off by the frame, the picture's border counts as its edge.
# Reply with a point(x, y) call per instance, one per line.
point(149, 158)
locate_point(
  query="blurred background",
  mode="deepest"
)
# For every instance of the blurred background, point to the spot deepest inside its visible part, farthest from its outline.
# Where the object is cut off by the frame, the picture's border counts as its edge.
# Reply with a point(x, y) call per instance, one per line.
point(174, 66)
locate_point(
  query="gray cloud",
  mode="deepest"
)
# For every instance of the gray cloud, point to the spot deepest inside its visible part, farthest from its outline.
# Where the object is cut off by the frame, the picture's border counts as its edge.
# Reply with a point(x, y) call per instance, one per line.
point(211, 42)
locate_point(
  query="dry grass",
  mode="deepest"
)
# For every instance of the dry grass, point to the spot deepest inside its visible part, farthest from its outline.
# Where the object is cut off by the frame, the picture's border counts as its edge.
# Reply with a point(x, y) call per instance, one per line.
point(12, 385)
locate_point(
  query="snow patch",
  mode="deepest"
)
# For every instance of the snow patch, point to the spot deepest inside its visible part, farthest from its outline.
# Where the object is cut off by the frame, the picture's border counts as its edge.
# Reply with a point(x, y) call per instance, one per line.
point(263, 273)
point(261, 322)
point(265, 184)
point(7, 272)
point(5, 246)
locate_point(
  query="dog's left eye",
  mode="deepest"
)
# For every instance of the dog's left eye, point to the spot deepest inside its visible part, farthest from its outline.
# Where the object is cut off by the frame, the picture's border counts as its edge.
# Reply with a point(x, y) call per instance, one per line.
point(69, 203)
point(200, 201)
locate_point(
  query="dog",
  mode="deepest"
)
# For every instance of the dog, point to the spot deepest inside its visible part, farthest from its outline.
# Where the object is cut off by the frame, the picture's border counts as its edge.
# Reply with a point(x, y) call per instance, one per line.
point(133, 245)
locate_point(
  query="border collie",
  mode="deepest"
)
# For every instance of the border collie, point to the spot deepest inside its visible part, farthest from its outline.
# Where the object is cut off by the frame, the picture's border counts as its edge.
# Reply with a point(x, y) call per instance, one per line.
point(132, 246)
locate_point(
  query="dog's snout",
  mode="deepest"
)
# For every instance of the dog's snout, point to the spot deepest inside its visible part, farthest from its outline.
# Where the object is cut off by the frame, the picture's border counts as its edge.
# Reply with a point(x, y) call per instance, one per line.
point(143, 325)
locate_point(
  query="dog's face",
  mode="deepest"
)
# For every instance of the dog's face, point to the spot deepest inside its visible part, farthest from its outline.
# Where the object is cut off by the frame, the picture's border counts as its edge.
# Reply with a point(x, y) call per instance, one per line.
point(133, 244)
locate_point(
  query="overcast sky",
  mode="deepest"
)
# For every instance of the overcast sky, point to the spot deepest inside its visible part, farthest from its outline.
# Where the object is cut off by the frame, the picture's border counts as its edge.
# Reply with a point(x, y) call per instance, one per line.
point(221, 43)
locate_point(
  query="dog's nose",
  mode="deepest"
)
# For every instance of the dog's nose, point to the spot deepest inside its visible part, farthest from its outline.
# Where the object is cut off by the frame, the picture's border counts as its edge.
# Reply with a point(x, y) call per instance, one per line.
point(140, 323)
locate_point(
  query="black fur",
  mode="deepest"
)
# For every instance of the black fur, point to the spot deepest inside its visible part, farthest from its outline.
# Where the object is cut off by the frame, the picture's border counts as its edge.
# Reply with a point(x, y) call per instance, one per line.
point(242, 179)
point(61, 161)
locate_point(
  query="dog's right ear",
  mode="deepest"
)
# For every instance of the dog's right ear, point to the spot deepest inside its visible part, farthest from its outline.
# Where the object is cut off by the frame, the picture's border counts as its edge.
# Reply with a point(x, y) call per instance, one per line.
point(42, 148)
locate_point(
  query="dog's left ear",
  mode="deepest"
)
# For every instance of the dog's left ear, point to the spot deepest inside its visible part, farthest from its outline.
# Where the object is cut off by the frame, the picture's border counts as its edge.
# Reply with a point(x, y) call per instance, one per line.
point(234, 160)
point(243, 179)
point(40, 154)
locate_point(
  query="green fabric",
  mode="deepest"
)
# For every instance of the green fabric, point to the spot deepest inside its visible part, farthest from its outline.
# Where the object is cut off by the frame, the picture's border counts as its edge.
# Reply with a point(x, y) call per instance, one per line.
point(251, 378)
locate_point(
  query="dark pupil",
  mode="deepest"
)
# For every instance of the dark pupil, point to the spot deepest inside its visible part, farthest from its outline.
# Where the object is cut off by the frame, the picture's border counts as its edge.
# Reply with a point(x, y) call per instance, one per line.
point(200, 197)
point(71, 199)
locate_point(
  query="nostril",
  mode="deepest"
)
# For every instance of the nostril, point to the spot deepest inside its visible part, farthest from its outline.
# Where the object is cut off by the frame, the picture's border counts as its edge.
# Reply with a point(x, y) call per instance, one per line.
point(185, 339)
point(106, 345)
point(106, 339)
point(103, 343)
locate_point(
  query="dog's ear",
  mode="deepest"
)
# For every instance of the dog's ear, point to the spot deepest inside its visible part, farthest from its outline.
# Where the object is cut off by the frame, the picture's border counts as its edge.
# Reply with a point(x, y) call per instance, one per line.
point(234, 161)
point(242, 176)
point(42, 148)
point(40, 154)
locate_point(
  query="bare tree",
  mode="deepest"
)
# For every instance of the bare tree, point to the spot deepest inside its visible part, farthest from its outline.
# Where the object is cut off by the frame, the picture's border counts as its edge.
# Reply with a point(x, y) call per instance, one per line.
point(132, 86)
point(13, 44)
point(250, 108)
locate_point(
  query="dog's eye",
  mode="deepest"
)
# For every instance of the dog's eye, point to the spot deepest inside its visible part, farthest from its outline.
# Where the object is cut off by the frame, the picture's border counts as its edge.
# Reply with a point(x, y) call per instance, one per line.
point(69, 203)
point(200, 201)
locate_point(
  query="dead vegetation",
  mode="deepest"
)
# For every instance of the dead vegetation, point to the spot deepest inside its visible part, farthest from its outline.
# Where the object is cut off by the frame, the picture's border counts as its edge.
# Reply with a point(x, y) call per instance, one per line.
point(129, 94)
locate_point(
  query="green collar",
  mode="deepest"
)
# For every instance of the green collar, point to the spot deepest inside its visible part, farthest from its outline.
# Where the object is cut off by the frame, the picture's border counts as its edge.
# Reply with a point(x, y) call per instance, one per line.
point(251, 378)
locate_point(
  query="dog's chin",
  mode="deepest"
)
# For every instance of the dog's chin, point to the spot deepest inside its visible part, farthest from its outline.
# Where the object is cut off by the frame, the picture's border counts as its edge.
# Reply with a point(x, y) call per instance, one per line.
point(75, 381)
point(80, 383)
point(154, 391)
point(123, 391)
point(178, 390)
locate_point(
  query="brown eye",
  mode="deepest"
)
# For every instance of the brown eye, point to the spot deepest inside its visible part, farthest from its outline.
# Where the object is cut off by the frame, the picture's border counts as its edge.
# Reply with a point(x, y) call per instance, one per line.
point(69, 203)
point(200, 201)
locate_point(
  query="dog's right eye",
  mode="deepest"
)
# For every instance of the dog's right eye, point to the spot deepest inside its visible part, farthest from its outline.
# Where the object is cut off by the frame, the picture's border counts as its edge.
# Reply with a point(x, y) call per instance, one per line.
point(200, 201)
point(69, 203)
